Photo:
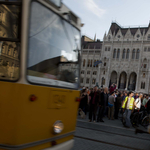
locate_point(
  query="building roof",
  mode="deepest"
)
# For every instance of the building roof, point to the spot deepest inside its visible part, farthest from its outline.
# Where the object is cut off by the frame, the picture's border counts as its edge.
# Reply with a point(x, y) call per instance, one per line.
point(115, 27)
point(91, 44)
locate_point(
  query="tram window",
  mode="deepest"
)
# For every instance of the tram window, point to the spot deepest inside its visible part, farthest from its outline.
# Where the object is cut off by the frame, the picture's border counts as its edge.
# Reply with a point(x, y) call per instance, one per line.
point(52, 42)
point(10, 49)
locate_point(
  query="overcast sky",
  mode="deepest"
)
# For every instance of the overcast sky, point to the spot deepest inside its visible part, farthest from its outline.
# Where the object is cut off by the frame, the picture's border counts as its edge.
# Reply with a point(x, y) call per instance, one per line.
point(97, 15)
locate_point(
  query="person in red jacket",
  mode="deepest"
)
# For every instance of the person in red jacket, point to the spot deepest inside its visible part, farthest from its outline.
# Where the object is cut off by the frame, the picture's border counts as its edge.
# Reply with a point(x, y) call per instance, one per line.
point(112, 88)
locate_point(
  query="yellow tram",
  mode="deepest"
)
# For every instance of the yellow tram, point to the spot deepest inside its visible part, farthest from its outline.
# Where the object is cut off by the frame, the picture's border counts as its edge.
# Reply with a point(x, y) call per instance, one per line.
point(40, 45)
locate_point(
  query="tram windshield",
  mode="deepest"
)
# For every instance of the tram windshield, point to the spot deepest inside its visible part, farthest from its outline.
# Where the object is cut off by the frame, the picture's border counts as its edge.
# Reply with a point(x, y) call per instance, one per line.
point(9, 41)
point(53, 49)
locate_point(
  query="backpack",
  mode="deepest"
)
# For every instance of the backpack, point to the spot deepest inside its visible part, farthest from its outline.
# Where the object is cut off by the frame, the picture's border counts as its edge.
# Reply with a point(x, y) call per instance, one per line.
point(110, 105)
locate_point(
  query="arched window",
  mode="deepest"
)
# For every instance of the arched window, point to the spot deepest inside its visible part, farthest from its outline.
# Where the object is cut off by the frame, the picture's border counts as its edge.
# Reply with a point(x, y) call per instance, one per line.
point(148, 37)
point(94, 63)
point(137, 54)
point(94, 72)
point(104, 73)
point(81, 80)
point(88, 72)
point(144, 85)
point(91, 63)
point(97, 64)
point(124, 53)
point(118, 53)
point(104, 64)
point(12, 51)
point(128, 52)
point(93, 81)
point(103, 81)
point(114, 54)
point(3, 48)
point(88, 65)
point(141, 85)
point(133, 54)
point(87, 80)
point(84, 63)
point(82, 72)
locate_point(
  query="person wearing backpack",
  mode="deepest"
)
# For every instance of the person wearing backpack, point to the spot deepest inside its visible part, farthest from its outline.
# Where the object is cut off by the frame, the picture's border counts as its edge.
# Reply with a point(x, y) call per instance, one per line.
point(128, 108)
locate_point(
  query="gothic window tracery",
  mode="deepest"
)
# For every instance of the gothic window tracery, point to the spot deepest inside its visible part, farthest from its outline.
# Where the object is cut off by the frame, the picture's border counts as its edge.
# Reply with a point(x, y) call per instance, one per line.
point(114, 54)
point(88, 65)
point(118, 53)
point(128, 52)
point(3, 48)
point(93, 81)
point(137, 54)
point(148, 37)
point(87, 80)
point(124, 53)
point(88, 72)
point(84, 63)
point(133, 54)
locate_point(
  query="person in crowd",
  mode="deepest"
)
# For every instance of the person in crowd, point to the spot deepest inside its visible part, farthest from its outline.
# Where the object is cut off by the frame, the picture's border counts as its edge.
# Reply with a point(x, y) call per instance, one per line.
point(112, 88)
point(124, 96)
point(145, 100)
point(147, 106)
point(128, 106)
point(137, 107)
point(117, 105)
point(95, 96)
point(102, 104)
point(111, 101)
point(136, 96)
point(84, 101)
point(83, 88)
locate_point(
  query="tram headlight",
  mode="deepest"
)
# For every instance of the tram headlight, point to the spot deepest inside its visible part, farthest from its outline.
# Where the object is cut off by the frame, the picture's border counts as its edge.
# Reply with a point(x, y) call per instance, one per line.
point(58, 127)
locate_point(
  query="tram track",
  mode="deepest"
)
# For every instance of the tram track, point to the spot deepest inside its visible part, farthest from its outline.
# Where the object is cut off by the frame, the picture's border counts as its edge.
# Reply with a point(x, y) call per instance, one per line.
point(109, 132)
point(104, 142)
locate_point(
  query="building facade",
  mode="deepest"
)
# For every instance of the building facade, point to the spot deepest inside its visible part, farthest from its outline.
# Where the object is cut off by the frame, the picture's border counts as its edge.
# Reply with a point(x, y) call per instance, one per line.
point(125, 56)
point(9, 49)
point(91, 53)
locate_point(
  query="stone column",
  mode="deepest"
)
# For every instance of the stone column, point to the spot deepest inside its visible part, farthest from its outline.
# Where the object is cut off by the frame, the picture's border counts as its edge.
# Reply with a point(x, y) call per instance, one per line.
point(118, 76)
point(127, 82)
point(137, 81)
point(147, 84)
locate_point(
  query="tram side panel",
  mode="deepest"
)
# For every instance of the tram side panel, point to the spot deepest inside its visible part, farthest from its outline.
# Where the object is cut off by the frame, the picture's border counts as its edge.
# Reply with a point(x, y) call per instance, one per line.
point(25, 121)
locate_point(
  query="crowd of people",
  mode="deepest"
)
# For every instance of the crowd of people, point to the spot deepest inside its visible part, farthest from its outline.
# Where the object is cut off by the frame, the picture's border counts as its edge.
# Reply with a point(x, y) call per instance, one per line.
point(104, 102)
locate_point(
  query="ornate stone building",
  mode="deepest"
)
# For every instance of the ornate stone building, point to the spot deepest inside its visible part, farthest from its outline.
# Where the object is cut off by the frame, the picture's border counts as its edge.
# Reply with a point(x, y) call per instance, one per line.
point(91, 52)
point(125, 55)
point(9, 49)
